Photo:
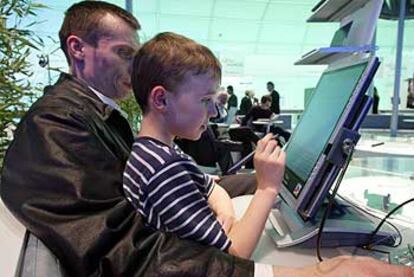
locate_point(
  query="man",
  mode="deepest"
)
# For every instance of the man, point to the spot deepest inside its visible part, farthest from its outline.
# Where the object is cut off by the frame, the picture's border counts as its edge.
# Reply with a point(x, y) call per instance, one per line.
point(261, 111)
point(246, 102)
point(221, 109)
point(62, 174)
point(232, 102)
point(275, 107)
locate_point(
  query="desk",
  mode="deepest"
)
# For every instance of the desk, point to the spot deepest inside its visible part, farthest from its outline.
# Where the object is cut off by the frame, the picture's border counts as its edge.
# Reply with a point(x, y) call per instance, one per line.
point(266, 251)
point(381, 147)
point(263, 125)
point(267, 122)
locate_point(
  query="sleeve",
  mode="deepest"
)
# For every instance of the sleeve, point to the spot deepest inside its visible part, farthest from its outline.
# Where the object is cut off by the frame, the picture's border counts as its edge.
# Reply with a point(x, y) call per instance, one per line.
point(176, 203)
point(246, 119)
point(209, 184)
point(65, 185)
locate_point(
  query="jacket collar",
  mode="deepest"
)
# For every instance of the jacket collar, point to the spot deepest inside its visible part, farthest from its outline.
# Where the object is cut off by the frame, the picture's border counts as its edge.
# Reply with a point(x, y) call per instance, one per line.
point(69, 85)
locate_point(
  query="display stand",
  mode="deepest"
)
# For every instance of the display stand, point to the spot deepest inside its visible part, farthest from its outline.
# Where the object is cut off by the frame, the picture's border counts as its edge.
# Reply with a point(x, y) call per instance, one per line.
point(346, 225)
point(357, 19)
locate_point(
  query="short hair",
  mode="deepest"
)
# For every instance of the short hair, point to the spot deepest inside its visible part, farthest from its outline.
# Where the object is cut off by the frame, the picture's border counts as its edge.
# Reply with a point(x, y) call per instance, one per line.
point(271, 83)
point(230, 88)
point(83, 20)
point(265, 99)
point(222, 97)
point(165, 60)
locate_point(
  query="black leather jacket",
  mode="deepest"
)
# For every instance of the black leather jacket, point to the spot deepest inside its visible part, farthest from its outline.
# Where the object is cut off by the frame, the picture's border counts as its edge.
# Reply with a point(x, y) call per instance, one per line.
point(62, 179)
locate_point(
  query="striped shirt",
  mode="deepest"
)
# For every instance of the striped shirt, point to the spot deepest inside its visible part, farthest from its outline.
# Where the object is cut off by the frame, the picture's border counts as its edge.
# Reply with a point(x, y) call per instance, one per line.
point(166, 186)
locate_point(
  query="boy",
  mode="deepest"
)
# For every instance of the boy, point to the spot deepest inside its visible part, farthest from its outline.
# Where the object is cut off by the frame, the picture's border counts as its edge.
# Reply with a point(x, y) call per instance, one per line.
point(175, 81)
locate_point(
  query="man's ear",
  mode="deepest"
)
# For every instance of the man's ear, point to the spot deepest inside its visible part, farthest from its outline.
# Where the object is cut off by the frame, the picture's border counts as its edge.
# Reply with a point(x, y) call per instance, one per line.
point(76, 47)
point(158, 98)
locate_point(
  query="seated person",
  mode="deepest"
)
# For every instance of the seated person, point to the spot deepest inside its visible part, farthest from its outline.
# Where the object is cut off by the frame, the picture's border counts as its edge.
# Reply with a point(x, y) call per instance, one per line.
point(263, 111)
point(164, 184)
point(220, 103)
point(208, 150)
point(246, 102)
point(260, 111)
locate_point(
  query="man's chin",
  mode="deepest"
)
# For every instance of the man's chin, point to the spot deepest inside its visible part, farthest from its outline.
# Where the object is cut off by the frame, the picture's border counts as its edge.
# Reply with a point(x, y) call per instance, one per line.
point(124, 94)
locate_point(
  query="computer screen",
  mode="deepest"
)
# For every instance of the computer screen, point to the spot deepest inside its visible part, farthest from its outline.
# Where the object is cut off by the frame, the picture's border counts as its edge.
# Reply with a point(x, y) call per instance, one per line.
point(336, 95)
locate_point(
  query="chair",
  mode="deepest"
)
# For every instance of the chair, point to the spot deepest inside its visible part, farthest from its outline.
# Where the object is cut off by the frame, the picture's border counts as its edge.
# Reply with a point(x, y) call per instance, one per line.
point(248, 138)
point(36, 260)
point(208, 151)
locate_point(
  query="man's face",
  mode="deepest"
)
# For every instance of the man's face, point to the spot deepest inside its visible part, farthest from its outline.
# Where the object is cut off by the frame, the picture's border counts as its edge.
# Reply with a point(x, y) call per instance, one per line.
point(270, 87)
point(266, 105)
point(108, 66)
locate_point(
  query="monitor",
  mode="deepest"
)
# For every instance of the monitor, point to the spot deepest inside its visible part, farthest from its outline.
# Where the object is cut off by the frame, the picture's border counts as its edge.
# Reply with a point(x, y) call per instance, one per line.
point(339, 101)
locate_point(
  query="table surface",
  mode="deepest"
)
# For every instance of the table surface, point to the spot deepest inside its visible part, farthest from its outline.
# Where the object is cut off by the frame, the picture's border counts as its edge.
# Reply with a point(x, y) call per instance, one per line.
point(296, 256)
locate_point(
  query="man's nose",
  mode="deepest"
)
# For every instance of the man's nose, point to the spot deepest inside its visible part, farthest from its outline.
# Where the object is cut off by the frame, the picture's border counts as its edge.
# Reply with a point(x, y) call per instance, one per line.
point(130, 65)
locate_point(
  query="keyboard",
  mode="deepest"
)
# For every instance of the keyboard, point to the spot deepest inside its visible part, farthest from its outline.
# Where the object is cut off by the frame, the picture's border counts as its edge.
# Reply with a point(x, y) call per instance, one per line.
point(403, 256)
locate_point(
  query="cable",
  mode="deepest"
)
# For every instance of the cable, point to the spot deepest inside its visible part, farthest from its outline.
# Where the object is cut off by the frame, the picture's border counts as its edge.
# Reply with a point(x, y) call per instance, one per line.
point(348, 149)
point(369, 245)
point(377, 217)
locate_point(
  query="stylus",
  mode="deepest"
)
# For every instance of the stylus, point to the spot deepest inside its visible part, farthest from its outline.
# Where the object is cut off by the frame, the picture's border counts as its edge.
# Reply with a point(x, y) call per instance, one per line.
point(243, 161)
point(377, 144)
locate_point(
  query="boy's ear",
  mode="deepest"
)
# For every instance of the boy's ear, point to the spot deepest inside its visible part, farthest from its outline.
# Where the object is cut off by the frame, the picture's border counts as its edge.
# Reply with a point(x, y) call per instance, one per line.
point(158, 98)
point(75, 46)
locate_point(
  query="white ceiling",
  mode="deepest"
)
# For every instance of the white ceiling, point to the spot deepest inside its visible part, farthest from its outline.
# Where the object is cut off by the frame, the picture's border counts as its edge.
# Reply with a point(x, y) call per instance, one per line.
point(252, 25)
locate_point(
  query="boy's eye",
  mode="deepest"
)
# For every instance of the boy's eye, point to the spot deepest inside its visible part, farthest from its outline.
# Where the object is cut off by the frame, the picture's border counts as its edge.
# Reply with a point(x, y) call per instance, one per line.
point(206, 101)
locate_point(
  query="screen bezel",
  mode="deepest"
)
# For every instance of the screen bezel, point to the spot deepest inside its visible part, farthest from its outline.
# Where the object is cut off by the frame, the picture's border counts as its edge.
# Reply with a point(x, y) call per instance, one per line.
point(312, 183)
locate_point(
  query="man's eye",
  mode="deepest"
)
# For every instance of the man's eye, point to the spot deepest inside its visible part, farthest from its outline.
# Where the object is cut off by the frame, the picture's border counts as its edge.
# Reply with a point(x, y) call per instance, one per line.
point(125, 54)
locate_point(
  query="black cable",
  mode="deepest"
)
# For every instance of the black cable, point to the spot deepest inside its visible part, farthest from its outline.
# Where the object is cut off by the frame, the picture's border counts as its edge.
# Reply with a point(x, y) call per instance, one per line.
point(377, 217)
point(349, 151)
point(369, 245)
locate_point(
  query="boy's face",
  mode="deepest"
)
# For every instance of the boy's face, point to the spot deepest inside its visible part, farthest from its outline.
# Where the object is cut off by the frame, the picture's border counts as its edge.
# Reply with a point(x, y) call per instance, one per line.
point(191, 105)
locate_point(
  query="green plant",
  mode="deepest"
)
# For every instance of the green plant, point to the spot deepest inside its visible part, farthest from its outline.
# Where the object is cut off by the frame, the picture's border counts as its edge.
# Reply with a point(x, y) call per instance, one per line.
point(133, 112)
point(16, 44)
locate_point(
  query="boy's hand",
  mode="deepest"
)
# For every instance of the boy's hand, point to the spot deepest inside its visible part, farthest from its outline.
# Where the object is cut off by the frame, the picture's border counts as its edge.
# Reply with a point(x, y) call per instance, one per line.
point(269, 162)
point(226, 222)
point(215, 178)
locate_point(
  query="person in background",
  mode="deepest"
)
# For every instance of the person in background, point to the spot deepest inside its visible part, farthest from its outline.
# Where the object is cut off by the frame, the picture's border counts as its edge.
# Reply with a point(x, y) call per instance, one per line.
point(375, 102)
point(275, 106)
point(255, 101)
point(233, 101)
point(232, 105)
point(260, 111)
point(263, 111)
point(246, 102)
point(220, 104)
point(62, 174)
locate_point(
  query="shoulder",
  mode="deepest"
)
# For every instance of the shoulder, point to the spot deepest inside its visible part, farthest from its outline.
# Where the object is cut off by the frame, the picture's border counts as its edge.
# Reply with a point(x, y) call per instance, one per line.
point(66, 99)
point(151, 156)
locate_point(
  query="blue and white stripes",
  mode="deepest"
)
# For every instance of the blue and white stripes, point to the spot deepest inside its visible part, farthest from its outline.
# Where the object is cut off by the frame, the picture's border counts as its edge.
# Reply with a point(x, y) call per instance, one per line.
point(169, 190)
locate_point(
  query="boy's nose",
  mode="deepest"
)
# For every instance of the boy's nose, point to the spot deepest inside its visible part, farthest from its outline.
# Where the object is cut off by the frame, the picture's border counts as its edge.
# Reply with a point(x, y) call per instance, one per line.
point(212, 111)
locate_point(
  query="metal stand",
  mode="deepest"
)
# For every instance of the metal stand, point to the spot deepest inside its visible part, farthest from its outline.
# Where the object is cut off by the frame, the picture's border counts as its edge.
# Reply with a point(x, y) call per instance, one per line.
point(345, 225)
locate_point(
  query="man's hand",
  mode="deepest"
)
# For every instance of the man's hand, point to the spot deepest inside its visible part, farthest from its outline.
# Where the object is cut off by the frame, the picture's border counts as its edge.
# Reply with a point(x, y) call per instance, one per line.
point(347, 266)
